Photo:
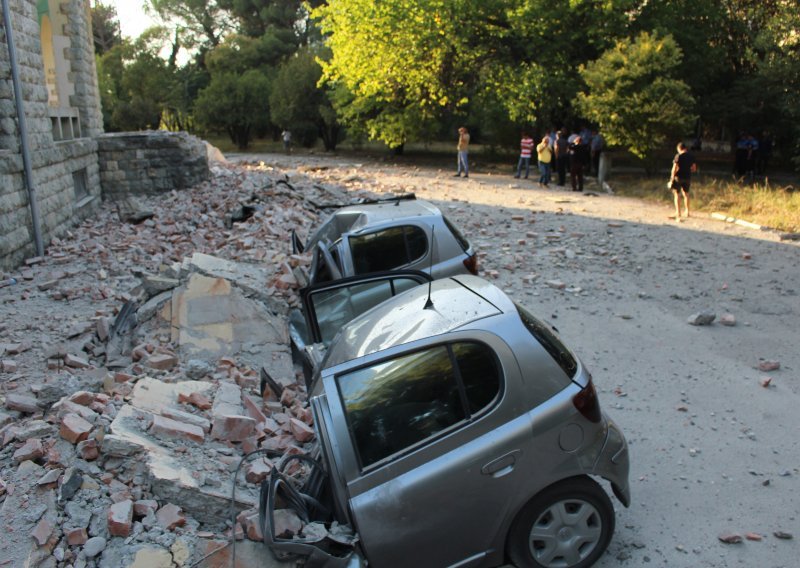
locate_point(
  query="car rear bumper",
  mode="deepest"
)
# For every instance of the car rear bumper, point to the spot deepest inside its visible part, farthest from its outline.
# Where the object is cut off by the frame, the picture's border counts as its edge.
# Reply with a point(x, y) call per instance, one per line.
point(613, 463)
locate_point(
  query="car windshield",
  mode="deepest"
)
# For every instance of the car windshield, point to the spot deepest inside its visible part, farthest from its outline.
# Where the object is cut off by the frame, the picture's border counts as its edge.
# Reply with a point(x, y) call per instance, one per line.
point(551, 343)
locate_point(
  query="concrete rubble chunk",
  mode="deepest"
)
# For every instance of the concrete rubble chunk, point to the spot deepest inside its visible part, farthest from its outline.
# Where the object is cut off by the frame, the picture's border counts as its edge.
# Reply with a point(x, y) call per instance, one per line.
point(70, 484)
point(287, 523)
point(88, 450)
point(702, 318)
point(74, 429)
point(728, 320)
point(154, 285)
point(143, 506)
point(169, 428)
point(49, 478)
point(187, 418)
point(120, 518)
point(765, 365)
point(75, 362)
point(22, 403)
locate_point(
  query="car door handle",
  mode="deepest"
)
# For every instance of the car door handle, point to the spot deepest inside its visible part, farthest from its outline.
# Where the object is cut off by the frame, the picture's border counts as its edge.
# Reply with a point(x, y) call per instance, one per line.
point(501, 466)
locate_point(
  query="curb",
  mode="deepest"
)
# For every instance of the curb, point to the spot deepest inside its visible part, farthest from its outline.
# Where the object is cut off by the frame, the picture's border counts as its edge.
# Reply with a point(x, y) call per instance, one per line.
point(755, 226)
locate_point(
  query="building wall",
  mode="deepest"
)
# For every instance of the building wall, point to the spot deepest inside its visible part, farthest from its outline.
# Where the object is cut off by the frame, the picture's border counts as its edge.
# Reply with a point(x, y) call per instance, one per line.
point(61, 129)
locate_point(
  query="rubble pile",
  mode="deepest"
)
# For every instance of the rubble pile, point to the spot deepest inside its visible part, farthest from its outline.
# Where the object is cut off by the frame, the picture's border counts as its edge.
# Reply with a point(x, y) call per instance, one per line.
point(123, 418)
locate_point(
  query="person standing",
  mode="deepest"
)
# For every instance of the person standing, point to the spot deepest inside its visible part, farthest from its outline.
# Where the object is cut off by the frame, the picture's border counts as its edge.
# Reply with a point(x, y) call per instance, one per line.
point(596, 147)
point(463, 149)
point(526, 149)
point(683, 165)
point(578, 160)
point(561, 152)
point(286, 135)
point(545, 156)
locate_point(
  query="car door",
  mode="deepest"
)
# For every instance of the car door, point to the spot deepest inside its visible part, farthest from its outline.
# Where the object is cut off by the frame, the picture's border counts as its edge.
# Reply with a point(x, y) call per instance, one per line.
point(425, 484)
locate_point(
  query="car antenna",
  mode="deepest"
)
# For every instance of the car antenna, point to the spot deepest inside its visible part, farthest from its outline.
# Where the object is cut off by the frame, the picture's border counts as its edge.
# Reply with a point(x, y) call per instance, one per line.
point(429, 302)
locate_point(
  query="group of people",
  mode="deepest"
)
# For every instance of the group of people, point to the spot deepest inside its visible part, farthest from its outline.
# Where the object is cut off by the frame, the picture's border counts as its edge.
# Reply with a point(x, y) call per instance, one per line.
point(578, 153)
point(752, 155)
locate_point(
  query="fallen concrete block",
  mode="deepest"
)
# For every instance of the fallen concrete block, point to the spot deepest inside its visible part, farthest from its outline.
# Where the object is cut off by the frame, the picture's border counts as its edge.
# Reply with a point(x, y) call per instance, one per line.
point(169, 428)
point(120, 518)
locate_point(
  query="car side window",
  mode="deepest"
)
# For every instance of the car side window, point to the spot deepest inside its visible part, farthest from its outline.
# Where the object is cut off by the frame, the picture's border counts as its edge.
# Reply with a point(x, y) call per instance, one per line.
point(397, 404)
point(387, 249)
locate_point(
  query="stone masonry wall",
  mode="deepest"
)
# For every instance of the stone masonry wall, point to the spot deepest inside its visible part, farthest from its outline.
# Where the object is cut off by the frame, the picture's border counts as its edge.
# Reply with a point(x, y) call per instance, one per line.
point(150, 162)
point(54, 164)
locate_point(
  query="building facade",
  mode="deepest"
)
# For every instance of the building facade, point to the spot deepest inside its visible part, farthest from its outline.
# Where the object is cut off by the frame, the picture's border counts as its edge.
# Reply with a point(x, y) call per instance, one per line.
point(53, 66)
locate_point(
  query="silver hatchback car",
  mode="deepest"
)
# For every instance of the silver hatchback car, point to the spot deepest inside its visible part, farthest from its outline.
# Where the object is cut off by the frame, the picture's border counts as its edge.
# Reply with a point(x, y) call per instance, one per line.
point(456, 429)
point(409, 234)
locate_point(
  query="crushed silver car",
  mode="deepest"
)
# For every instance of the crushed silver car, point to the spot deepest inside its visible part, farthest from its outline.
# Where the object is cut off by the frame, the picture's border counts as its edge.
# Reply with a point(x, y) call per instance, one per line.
point(409, 234)
point(456, 429)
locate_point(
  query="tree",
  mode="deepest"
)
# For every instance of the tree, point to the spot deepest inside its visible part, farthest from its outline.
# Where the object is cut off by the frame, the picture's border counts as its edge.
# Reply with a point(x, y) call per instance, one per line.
point(633, 95)
point(105, 28)
point(203, 22)
point(296, 102)
point(406, 63)
point(236, 104)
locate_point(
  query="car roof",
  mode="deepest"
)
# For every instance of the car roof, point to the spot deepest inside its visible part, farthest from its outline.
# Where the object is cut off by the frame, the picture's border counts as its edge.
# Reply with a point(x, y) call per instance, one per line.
point(457, 301)
point(355, 217)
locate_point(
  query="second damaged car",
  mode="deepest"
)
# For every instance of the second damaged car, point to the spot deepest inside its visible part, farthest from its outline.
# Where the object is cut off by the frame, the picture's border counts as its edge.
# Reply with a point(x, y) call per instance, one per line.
point(455, 429)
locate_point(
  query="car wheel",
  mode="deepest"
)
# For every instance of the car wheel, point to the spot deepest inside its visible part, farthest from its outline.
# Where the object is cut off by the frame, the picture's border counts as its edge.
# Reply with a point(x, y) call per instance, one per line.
point(569, 525)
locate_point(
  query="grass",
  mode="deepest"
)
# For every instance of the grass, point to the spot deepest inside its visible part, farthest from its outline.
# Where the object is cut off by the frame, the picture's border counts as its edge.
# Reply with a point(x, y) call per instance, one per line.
point(777, 207)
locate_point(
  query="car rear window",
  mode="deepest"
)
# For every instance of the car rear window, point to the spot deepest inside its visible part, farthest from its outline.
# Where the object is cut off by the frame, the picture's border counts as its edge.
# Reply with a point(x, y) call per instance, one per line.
point(550, 341)
point(462, 240)
point(397, 404)
point(387, 249)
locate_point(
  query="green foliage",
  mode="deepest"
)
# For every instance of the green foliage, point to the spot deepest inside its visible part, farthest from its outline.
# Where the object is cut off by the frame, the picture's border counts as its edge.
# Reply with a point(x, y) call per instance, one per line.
point(632, 93)
point(298, 104)
point(105, 28)
point(236, 104)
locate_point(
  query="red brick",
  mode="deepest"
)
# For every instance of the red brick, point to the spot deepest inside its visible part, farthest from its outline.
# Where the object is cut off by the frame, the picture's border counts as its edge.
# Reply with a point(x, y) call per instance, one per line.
point(8, 366)
point(31, 450)
point(76, 537)
point(74, 429)
point(200, 400)
point(120, 518)
point(258, 471)
point(143, 506)
point(233, 428)
point(122, 377)
point(88, 450)
point(170, 428)
point(253, 407)
point(41, 534)
point(253, 528)
point(161, 361)
point(170, 517)
point(301, 431)
point(84, 398)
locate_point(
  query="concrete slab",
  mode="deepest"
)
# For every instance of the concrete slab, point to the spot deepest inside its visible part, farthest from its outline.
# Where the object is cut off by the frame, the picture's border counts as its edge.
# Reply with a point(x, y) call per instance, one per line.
point(210, 319)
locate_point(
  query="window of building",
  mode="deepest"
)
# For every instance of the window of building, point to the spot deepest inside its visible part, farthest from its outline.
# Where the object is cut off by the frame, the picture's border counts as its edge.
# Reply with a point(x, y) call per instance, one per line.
point(408, 401)
point(80, 184)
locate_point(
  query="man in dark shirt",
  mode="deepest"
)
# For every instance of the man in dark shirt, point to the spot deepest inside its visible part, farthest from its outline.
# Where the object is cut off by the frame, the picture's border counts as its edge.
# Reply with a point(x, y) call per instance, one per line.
point(578, 160)
point(681, 178)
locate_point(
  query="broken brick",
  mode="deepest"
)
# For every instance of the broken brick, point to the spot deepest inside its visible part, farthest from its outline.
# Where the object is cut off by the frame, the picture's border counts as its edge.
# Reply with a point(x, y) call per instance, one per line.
point(41, 534)
point(30, 450)
point(767, 366)
point(76, 537)
point(170, 428)
point(144, 506)
point(88, 450)
point(232, 428)
point(258, 470)
point(120, 518)
point(74, 429)
point(75, 362)
point(161, 361)
point(84, 398)
point(301, 431)
point(170, 517)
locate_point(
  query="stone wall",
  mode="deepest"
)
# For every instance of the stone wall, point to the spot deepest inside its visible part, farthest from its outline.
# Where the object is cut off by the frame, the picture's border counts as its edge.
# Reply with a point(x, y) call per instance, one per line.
point(135, 163)
point(65, 172)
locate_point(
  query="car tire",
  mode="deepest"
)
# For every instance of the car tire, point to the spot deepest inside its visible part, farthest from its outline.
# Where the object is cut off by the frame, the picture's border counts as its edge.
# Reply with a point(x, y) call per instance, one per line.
point(568, 525)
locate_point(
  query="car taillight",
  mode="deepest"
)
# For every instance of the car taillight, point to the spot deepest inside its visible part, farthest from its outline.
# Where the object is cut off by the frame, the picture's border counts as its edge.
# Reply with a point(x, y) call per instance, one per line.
point(471, 263)
point(587, 404)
